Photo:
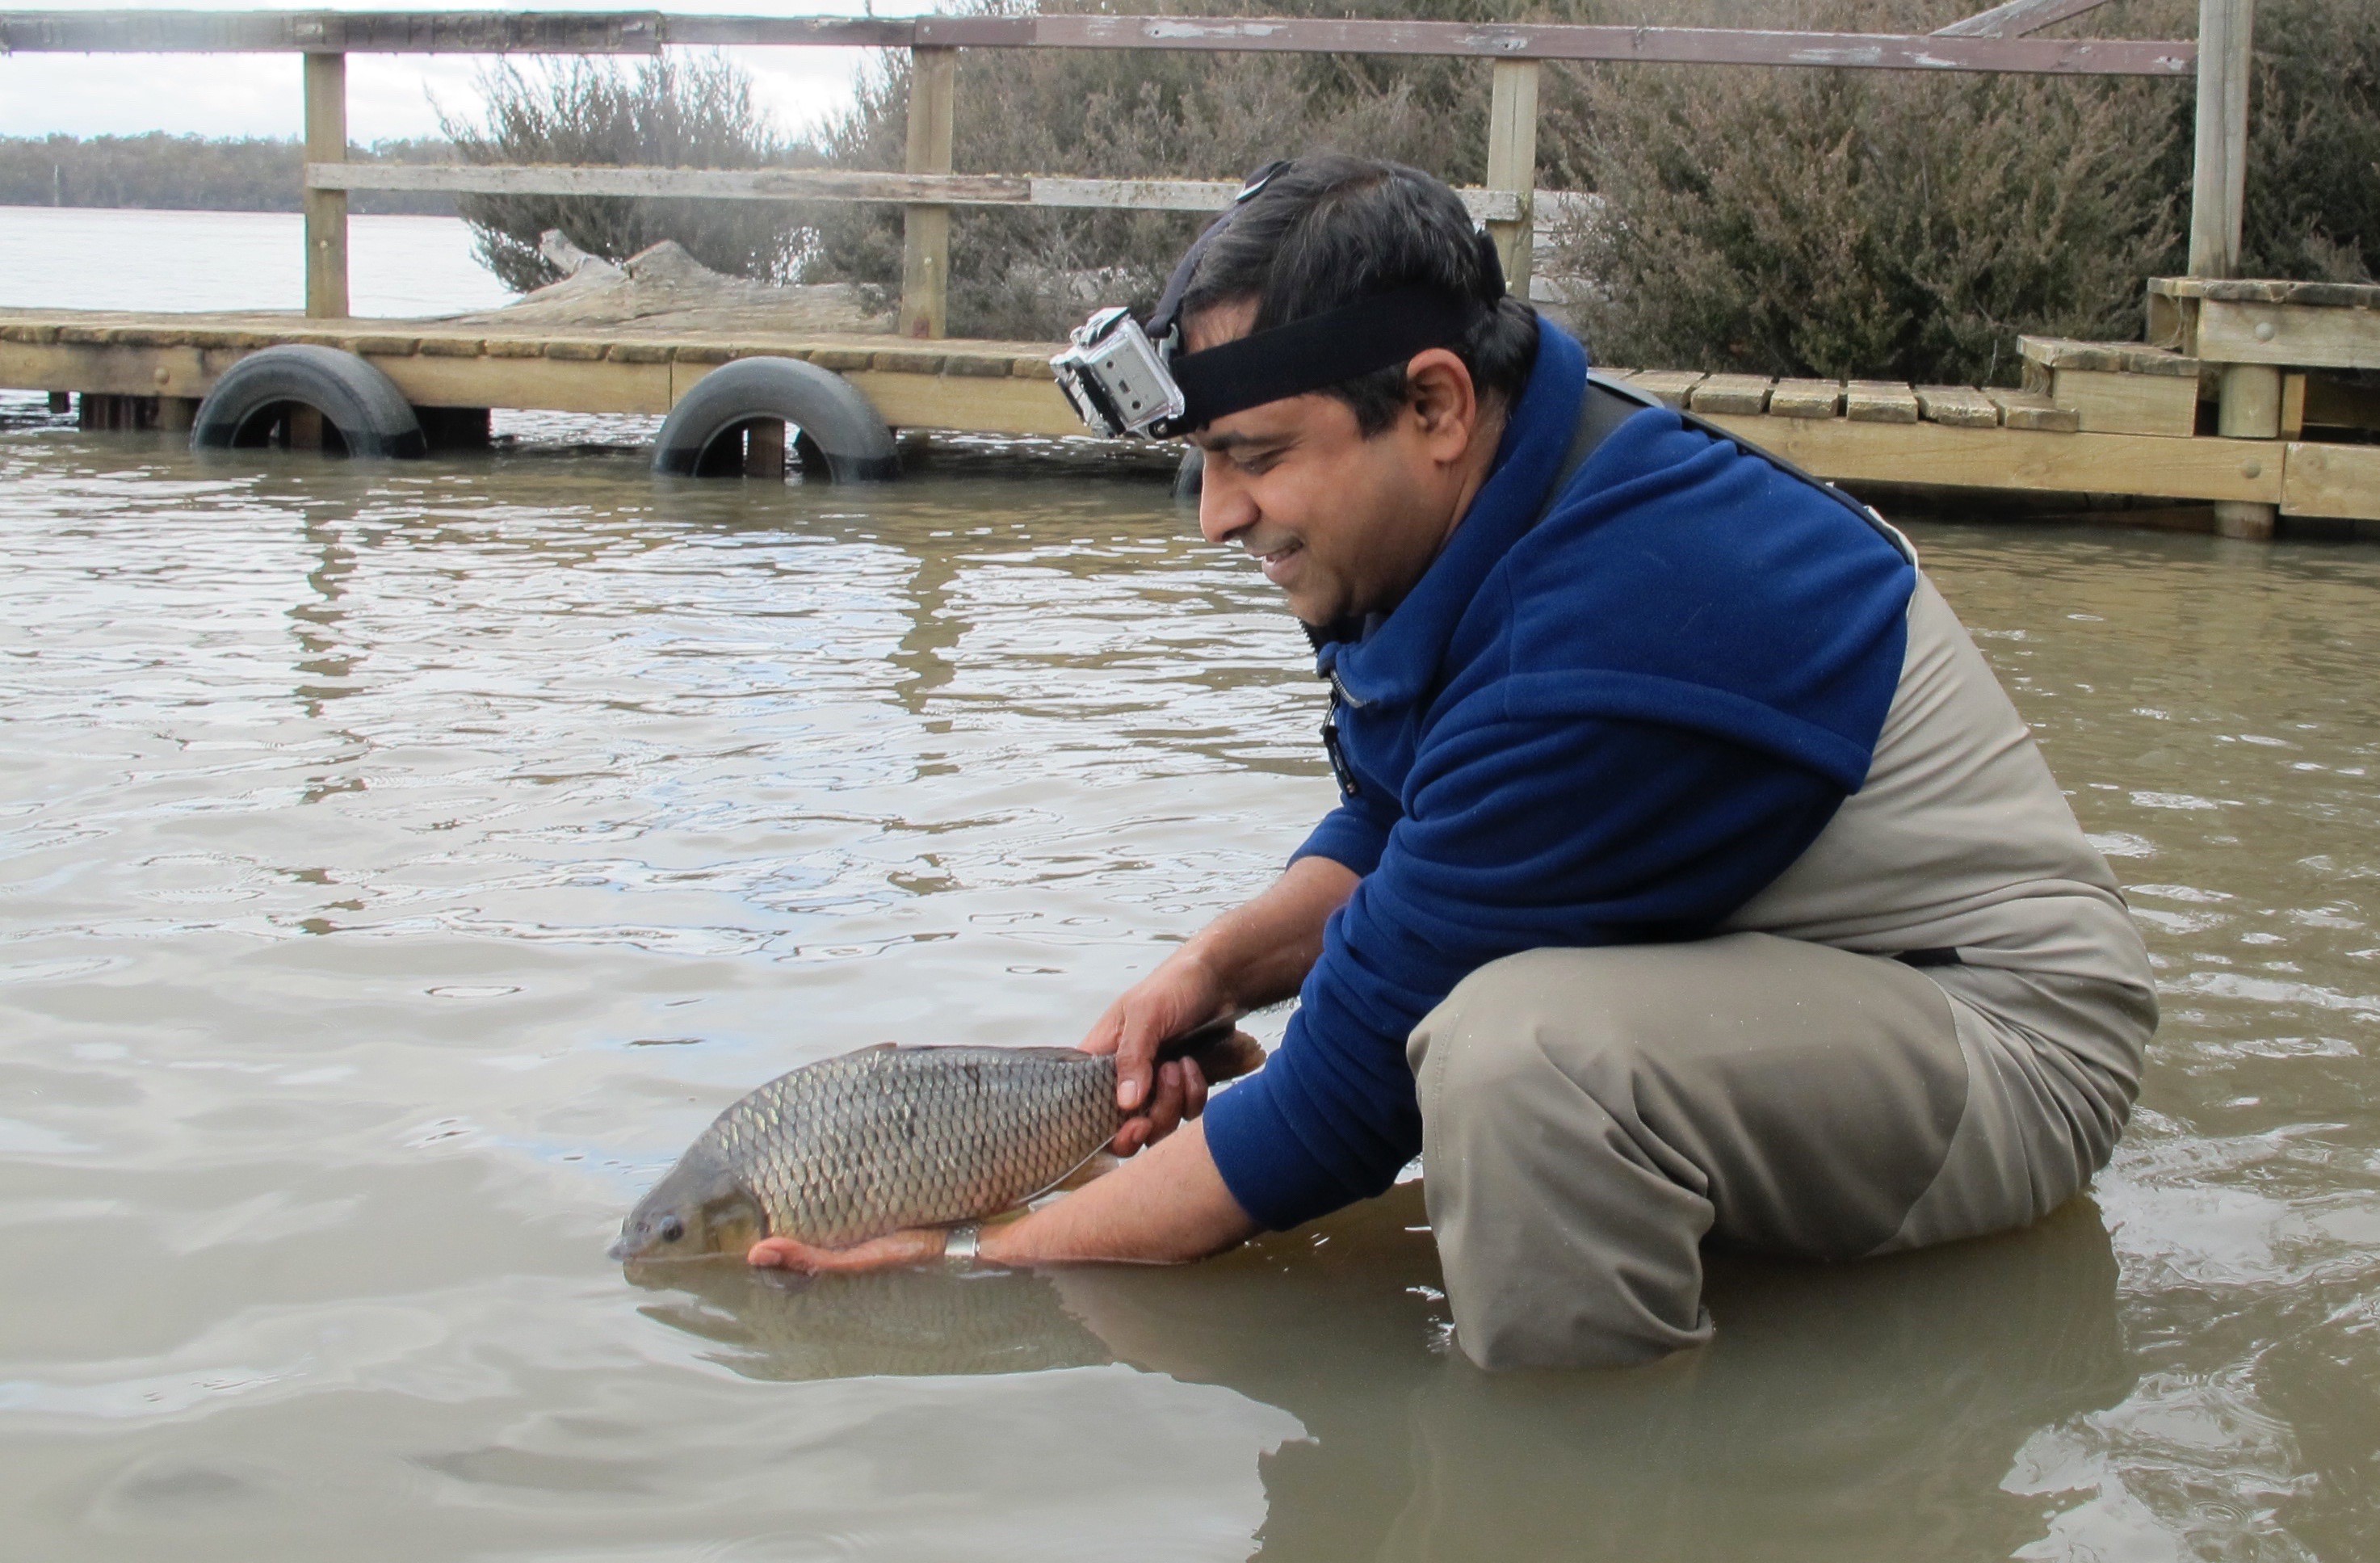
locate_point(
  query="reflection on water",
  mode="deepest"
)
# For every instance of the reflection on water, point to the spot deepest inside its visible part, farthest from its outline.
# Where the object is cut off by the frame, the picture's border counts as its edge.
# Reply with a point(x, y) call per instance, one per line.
point(398, 867)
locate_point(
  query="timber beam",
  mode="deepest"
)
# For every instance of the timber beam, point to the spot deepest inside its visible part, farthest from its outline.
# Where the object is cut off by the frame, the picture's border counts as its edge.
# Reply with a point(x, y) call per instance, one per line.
point(483, 32)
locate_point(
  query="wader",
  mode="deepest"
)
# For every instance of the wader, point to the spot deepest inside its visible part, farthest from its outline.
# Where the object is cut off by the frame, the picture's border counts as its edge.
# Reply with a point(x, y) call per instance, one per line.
point(1931, 1026)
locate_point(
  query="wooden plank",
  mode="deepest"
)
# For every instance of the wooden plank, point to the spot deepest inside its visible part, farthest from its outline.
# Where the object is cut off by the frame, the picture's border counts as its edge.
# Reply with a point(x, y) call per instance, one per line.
point(1512, 164)
point(1728, 393)
point(1880, 401)
point(819, 184)
point(2127, 404)
point(2030, 410)
point(2285, 335)
point(2294, 406)
point(1012, 406)
point(2220, 165)
point(333, 32)
point(1567, 42)
point(1806, 398)
point(485, 33)
point(926, 230)
point(2017, 18)
point(326, 210)
point(2110, 358)
point(715, 184)
point(746, 32)
point(551, 385)
point(1672, 386)
point(111, 370)
point(2332, 480)
point(1960, 407)
point(2028, 459)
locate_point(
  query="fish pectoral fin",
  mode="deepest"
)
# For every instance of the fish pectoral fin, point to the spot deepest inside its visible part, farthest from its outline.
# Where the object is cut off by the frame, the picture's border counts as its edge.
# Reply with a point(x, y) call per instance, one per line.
point(1099, 1166)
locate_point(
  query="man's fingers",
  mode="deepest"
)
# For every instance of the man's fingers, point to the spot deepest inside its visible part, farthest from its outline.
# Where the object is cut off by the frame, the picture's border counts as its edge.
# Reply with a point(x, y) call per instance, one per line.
point(876, 1253)
point(1136, 1061)
point(1194, 1088)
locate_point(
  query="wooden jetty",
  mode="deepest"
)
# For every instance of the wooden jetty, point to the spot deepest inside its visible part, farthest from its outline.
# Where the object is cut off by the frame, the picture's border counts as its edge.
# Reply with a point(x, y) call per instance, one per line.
point(2243, 396)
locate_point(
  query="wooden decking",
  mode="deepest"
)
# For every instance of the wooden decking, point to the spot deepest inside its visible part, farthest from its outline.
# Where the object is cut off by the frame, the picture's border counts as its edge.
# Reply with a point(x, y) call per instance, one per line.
point(995, 386)
point(2097, 426)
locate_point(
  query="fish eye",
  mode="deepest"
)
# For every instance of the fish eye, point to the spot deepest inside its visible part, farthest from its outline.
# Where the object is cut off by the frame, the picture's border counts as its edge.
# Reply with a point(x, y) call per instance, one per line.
point(671, 1229)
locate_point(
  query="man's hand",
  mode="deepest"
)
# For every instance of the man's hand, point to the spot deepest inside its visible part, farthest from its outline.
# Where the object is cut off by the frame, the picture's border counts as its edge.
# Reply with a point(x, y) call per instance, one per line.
point(1167, 1208)
point(1247, 959)
point(1178, 996)
point(915, 1246)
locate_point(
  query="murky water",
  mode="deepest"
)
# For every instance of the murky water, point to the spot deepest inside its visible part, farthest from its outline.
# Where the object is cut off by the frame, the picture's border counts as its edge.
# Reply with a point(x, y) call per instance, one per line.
point(397, 867)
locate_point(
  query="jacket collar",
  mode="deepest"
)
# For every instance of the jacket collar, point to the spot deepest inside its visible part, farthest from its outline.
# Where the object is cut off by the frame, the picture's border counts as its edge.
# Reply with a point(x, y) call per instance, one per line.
point(1397, 654)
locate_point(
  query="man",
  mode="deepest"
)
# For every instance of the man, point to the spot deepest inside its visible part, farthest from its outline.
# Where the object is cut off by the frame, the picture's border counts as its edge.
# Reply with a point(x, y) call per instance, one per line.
point(1692, 879)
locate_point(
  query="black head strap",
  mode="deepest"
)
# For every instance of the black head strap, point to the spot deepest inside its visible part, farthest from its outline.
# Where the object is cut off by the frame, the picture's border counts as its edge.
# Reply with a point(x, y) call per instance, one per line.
point(1320, 351)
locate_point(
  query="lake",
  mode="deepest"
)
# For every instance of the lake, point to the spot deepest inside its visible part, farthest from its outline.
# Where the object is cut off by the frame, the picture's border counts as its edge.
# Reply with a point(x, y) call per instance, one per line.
point(90, 258)
point(398, 866)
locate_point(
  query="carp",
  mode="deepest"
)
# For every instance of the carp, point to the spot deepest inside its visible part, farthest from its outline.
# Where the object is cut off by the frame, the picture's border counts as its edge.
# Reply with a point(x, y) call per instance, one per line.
point(849, 1148)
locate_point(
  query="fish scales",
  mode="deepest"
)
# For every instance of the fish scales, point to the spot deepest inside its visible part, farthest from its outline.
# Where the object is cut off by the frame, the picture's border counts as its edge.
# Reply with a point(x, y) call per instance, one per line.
point(849, 1148)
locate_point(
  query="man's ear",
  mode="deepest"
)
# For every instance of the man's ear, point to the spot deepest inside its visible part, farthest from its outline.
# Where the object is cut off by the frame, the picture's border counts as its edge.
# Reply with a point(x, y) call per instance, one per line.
point(1443, 401)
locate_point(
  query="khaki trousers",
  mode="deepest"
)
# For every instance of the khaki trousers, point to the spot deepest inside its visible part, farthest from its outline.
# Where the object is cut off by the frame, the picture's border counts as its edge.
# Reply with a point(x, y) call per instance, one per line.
point(1591, 1116)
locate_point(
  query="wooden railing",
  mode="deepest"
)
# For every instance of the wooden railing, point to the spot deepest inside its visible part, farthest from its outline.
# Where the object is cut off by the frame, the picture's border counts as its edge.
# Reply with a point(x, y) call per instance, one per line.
point(2001, 38)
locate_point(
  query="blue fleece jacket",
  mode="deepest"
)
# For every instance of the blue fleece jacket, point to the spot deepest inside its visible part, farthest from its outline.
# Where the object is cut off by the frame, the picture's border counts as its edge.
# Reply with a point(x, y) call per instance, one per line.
point(1610, 715)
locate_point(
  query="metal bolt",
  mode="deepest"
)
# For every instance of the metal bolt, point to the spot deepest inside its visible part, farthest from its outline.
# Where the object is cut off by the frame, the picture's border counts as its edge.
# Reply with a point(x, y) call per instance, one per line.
point(2251, 468)
point(2263, 331)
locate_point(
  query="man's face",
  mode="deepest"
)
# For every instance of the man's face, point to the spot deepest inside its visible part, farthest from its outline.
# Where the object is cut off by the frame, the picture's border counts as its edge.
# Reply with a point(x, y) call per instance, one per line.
point(1343, 524)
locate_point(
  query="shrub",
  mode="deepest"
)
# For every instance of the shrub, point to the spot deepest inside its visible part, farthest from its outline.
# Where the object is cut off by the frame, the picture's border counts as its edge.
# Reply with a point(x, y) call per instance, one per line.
point(672, 112)
point(1782, 221)
point(1032, 273)
point(2314, 142)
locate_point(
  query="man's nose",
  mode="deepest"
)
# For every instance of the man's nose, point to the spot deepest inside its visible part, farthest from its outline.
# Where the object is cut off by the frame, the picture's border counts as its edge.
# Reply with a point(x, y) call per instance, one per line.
point(1225, 508)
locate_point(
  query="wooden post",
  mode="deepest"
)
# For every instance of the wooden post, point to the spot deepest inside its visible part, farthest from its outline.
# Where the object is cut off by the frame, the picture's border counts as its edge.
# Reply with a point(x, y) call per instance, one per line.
point(2249, 409)
point(926, 230)
point(2218, 178)
point(326, 211)
point(764, 449)
point(1512, 163)
point(2248, 404)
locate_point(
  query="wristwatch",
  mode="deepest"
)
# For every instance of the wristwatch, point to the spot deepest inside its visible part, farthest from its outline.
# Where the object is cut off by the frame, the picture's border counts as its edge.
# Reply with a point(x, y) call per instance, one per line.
point(962, 1243)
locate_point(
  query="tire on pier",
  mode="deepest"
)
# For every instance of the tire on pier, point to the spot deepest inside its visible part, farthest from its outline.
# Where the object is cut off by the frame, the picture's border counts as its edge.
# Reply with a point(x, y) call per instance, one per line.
point(358, 403)
point(837, 426)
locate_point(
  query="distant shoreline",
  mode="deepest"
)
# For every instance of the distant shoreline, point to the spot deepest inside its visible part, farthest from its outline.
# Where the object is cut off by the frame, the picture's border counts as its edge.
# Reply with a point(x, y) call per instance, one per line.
point(158, 172)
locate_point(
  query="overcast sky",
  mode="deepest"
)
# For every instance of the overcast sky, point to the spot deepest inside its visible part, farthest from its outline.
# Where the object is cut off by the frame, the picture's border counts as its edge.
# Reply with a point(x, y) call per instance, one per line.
point(387, 94)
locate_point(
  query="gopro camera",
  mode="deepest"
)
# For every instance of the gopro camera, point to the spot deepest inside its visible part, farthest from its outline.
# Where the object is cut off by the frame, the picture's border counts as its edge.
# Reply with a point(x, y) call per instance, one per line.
point(1116, 377)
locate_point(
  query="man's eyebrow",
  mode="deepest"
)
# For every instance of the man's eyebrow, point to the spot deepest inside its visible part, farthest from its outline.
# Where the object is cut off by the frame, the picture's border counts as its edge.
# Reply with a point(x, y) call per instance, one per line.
point(1238, 442)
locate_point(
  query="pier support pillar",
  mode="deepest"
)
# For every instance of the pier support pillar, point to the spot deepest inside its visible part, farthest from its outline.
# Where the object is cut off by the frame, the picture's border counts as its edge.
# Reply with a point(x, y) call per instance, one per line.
point(2218, 178)
point(764, 449)
point(2250, 408)
point(326, 211)
point(926, 230)
point(1512, 164)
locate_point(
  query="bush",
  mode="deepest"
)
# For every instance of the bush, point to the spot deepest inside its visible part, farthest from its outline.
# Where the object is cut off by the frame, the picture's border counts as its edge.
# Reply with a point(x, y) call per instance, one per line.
point(1032, 273)
point(2314, 142)
point(1864, 222)
point(1789, 222)
point(673, 112)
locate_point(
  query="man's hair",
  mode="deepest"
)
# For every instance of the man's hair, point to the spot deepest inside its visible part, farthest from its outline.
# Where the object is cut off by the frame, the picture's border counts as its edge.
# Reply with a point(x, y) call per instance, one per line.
point(1331, 230)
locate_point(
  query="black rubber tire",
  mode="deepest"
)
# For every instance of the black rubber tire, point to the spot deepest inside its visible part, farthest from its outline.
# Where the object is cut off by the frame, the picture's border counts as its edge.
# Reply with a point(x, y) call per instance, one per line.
point(835, 421)
point(370, 414)
point(1190, 476)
